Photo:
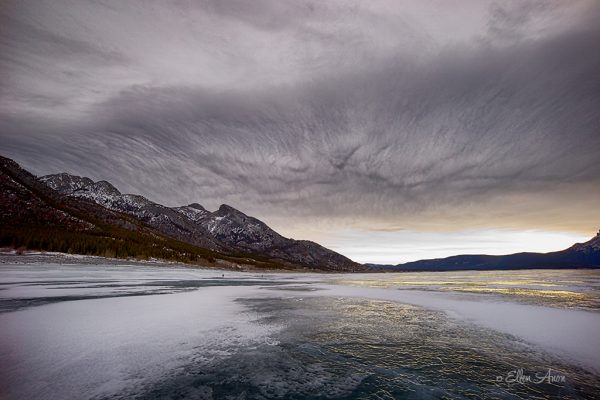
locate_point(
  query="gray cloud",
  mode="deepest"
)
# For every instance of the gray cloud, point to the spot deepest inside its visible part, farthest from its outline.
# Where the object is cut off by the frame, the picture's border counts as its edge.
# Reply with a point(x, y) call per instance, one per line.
point(509, 19)
point(297, 112)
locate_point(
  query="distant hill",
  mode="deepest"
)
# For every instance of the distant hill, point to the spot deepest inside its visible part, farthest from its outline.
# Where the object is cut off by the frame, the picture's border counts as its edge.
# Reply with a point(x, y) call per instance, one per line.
point(580, 255)
point(69, 213)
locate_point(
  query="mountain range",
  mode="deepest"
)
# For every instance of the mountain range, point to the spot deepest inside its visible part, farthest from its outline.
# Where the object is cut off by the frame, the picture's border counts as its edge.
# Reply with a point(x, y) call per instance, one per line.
point(70, 213)
point(64, 212)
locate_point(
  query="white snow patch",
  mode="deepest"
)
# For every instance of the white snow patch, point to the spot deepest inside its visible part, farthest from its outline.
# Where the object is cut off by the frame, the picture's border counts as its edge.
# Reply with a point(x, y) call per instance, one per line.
point(111, 344)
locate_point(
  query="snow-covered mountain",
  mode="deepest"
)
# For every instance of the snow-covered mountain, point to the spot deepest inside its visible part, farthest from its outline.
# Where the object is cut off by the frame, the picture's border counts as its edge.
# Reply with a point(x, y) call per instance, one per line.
point(226, 229)
point(166, 220)
point(237, 229)
point(590, 247)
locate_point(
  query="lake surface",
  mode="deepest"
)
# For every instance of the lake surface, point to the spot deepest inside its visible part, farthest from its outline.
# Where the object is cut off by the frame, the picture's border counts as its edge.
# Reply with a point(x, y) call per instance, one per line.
point(100, 330)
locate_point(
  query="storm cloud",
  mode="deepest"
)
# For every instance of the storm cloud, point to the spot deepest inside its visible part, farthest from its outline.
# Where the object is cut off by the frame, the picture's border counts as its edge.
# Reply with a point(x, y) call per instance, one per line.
point(316, 115)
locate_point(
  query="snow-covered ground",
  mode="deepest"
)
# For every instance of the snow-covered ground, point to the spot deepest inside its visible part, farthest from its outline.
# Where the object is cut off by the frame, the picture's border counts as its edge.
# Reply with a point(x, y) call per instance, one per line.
point(114, 330)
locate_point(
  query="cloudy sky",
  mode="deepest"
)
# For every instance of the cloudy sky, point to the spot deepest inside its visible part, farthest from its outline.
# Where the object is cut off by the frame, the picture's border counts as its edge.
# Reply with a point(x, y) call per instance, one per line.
point(387, 130)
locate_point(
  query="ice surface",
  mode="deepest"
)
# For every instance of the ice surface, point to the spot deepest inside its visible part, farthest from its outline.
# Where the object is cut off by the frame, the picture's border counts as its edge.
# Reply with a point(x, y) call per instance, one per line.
point(572, 334)
point(88, 330)
point(107, 345)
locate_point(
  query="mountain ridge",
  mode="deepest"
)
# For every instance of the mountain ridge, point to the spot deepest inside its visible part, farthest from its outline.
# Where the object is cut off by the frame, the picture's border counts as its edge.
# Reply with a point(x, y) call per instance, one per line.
point(579, 255)
point(222, 234)
point(223, 229)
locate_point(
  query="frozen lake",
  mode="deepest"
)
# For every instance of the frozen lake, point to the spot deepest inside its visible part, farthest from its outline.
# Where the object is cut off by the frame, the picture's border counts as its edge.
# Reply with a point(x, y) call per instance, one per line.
point(98, 330)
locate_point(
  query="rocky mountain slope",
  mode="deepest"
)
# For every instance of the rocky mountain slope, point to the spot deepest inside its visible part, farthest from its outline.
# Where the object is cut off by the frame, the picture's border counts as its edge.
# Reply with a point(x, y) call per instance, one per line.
point(226, 229)
point(164, 219)
point(34, 216)
point(580, 255)
point(225, 233)
point(241, 231)
point(591, 247)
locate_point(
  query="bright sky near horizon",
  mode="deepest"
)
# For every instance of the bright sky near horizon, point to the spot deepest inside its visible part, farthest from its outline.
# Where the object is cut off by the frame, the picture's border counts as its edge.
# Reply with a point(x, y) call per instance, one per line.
point(386, 130)
point(403, 246)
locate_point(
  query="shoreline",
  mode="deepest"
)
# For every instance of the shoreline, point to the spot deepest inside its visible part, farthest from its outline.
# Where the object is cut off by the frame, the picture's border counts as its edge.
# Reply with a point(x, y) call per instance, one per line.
point(13, 256)
point(33, 257)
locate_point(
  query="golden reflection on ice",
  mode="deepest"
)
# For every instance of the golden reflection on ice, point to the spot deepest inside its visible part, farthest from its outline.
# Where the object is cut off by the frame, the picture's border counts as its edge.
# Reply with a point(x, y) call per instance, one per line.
point(416, 351)
point(579, 289)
